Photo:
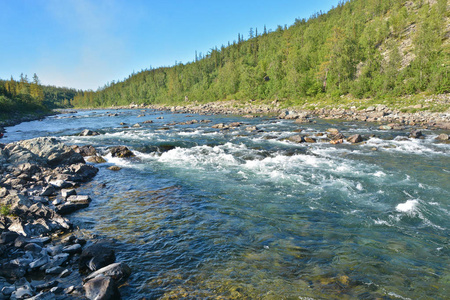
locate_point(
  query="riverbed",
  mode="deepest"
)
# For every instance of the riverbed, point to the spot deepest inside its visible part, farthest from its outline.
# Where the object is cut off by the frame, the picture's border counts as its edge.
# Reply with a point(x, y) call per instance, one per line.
point(244, 213)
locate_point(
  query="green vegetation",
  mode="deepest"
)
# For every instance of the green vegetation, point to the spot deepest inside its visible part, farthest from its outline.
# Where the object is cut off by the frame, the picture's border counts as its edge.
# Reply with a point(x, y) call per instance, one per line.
point(361, 49)
point(5, 210)
point(18, 98)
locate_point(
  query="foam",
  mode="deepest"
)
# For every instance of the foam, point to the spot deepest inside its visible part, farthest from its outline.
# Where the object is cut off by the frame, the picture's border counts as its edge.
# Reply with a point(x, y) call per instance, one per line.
point(409, 207)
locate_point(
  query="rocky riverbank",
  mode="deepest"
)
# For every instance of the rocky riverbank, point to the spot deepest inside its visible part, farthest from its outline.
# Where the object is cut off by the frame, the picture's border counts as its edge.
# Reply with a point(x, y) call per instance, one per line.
point(379, 113)
point(41, 255)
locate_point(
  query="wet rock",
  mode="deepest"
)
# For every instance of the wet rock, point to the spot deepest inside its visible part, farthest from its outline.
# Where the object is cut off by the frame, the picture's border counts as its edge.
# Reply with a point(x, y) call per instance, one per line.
point(121, 151)
point(96, 159)
point(356, 138)
point(79, 199)
point(137, 125)
point(338, 141)
point(8, 237)
point(114, 168)
point(12, 271)
point(333, 131)
point(117, 271)
point(296, 138)
point(415, 134)
point(69, 207)
point(87, 150)
point(385, 127)
point(88, 132)
point(60, 184)
point(101, 288)
point(251, 128)
point(309, 139)
point(72, 249)
point(96, 256)
point(147, 122)
point(443, 137)
point(65, 193)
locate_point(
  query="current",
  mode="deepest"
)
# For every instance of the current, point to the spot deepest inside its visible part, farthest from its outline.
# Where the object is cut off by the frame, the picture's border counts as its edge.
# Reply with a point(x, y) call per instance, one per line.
point(205, 213)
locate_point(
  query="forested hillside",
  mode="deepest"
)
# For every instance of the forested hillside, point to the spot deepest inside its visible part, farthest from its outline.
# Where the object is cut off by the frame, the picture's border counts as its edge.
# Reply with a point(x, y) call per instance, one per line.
point(25, 96)
point(361, 49)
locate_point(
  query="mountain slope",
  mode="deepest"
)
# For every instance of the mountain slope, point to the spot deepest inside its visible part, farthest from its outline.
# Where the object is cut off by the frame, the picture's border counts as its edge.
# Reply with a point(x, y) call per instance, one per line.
point(360, 49)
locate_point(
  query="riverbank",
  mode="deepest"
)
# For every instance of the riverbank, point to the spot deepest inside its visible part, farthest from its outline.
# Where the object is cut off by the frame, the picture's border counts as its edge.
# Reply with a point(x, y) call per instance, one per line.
point(14, 119)
point(41, 254)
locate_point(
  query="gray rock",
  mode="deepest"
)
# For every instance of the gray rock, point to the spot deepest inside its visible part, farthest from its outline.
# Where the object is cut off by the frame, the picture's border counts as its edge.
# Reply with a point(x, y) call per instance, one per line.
point(54, 270)
point(43, 296)
point(87, 150)
point(68, 192)
point(121, 151)
point(415, 134)
point(96, 256)
point(8, 237)
point(8, 290)
point(12, 271)
point(443, 137)
point(65, 273)
point(88, 132)
point(33, 247)
point(39, 262)
point(356, 138)
point(79, 199)
point(54, 250)
point(48, 190)
point(117, 271)
point(102, 288)
point(72, 249)
point(61, 184)
point(296, 138)
point(69, 207)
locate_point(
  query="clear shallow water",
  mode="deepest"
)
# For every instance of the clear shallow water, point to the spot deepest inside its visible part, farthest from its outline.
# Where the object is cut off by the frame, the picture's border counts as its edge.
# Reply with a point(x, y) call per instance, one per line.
point(205, 213)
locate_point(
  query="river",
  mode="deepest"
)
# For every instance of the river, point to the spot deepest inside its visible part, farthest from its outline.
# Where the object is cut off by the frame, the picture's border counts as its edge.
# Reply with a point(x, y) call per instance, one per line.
point(238, 214)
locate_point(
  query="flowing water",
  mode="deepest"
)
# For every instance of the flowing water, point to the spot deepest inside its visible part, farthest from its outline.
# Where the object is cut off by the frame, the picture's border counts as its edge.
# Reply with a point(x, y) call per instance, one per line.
point(233, 214)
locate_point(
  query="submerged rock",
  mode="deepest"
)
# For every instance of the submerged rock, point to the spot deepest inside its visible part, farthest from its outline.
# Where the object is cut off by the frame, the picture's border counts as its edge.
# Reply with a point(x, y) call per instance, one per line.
point(102, 288)
point(121, 151)
point(96, 256)
point(88, 132)
point(356, 138)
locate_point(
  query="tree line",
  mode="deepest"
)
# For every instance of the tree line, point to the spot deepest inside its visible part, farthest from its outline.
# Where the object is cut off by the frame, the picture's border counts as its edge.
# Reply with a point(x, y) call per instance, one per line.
point(28, 96)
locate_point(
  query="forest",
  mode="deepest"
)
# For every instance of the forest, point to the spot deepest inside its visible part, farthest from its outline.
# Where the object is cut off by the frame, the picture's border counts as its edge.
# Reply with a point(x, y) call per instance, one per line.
point(360, 49)
point(18, 97)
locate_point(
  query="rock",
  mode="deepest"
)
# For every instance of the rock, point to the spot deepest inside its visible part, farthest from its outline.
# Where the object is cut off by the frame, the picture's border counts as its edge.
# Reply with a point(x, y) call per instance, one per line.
point(443, 137)
point(147, 122)
point(87, 150)
point(121, 151)
point(79, 199)
point(43, 296)
point(114, 168)
point(88, 132)
point(296, 138)
point(309, 139)
point(117, 271)
point(333, 131)
point(68, 208)
point(137, 125)
point(48, 190)
point(96, 256)
point(54, 270)
point(335, 142)
point(12, 271)
point(32, 247)
point(39, 262)
point(8, 237)
point(65, 273)
point(60, 184)
point(385, 127)
point(22, 293)
point(96, 159)
point(356, 138)
point(65, 193)
point(415, 134)
point(102, 288)
point(251, 128)
point(83, 172)
point(72, 249)
point(8, 290)
point(17, 226)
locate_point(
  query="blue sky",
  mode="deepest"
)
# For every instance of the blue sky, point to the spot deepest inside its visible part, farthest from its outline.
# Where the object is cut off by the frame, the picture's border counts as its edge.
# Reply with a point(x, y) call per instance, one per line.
point(85, 43)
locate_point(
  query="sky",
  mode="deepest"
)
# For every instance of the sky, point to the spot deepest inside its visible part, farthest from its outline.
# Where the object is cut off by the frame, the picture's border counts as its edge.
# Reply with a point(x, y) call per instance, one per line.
point(85, 44)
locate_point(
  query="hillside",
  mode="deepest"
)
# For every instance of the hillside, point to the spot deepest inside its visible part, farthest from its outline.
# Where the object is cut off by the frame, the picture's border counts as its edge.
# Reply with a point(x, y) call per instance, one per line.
point(360, 49)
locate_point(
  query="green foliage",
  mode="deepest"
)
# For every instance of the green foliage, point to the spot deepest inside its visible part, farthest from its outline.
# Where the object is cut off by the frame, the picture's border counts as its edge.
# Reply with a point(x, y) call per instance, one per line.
point(24, 97)
point(361, 48)
point(5, 210)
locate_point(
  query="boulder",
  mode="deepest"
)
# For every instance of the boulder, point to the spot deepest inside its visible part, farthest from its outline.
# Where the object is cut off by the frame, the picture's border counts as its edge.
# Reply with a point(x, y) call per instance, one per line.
point(65, 193)
point(443, 137)
point(114, 168)
point(356, 138)
point(101, 288)
point(296, 138)
point(88, 132)
point(333, 131)
point(8, 237)
point(12, 271)
point(96, 159)
point(121, 151)
point(87, 150)
point(415, 134)
point(309, 139)
point(117, 271)
point(96, 256)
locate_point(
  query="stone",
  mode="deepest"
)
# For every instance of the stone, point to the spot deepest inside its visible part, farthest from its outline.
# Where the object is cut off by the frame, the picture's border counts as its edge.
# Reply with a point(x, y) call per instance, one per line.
point(114, 168)
point(309, 139)
point(48, 190)
point(43, 296)
point(22, 293)
point(39, 262)
point(87, 150)
point(79, 199)
point(443, 137)
point(96, 256)
point(121, 151)
point(12, 271)
point(335, 142)
point(356, 138)
point(251, 128)
point(54, 270)
point(69, 207)
point(117, 271)
point(137, 125)
point(385, 127)
point(333, 131)
point(32, 247)
point(296, 138)
point(101, 288)
point(96, 159)
point(65, 273)
point(8, 237)
point(72, 249)
point(415, 134)
point(147, 122)
point(88, 132)
point(60, 184)
point(65, 193)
